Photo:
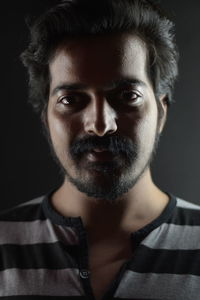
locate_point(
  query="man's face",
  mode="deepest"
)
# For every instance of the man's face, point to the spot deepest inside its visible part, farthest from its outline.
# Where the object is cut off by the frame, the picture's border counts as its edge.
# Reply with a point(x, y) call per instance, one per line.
point(102, 114)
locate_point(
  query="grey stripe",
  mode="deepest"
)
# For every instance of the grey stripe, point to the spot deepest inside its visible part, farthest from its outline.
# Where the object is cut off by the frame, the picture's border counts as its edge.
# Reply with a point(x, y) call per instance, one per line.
point(40, 282)
point(31, 202)
point(185, 204)
point(175, 237)
point(159, 286)
point(35, 232)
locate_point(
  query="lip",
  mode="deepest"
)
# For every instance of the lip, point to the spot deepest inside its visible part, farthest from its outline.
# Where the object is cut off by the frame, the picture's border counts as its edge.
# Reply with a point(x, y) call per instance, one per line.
point(100, 155)
point(99, 150)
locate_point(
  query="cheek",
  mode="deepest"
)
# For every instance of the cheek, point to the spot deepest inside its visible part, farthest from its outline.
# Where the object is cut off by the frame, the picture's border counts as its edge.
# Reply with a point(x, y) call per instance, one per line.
point(59, 129)
point(141, 125)
point(147, 128)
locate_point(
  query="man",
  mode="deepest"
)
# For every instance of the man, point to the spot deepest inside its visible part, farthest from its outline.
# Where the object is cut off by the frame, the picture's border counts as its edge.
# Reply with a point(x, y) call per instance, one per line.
point(101, 77)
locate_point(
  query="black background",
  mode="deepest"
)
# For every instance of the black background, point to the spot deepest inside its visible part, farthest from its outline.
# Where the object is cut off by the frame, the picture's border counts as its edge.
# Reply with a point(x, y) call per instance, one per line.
point(27, 169)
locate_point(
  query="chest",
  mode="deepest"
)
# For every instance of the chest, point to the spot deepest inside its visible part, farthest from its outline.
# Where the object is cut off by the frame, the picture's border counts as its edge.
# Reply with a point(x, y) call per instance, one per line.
point(105, 265)
point(102, 277)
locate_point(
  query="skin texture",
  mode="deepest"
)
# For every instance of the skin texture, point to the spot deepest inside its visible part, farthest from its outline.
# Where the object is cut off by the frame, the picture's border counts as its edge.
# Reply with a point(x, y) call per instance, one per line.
point(123, 119)
point(127, 115)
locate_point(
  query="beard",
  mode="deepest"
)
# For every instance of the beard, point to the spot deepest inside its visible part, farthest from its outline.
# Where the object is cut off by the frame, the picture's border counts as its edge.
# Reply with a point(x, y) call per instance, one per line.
point(116, 178)
point(109, 188)
point(106, 181)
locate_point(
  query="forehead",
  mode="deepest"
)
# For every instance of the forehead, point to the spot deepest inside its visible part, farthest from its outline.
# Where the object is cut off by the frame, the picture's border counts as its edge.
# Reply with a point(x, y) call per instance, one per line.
point(97, 61)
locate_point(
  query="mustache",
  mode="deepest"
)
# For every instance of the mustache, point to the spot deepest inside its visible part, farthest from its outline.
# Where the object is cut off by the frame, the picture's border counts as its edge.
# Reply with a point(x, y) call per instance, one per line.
point(114, 144)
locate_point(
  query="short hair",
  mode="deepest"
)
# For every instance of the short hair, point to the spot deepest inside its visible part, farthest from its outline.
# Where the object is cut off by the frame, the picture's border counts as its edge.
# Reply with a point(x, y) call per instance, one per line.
point(78, 18)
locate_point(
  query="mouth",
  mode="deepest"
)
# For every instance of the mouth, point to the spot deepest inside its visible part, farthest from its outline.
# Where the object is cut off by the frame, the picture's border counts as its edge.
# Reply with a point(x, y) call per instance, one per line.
point(101, 155)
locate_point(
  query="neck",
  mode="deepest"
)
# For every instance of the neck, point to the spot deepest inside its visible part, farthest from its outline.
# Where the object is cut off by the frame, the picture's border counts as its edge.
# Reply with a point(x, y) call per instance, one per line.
point(134, 210)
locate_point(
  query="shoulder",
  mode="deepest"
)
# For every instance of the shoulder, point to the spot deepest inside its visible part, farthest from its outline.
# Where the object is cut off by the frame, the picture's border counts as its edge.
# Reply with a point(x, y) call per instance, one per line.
point(27, 211)
point(183, 228)
point(179, 232)
point(19, 224)
point(187, 205)
point(186, 213)
point(24, 224)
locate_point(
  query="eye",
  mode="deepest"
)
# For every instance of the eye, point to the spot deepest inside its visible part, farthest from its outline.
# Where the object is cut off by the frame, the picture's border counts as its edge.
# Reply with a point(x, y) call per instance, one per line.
point(68, 100)
point(72, 101)
point(132, 97)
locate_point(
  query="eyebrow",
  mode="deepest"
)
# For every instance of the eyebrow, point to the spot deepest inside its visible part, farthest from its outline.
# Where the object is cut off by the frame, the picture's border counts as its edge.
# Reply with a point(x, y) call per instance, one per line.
point(113, 85)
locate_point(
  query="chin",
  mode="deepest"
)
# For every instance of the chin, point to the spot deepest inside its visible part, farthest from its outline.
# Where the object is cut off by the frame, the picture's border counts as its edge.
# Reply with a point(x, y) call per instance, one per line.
point(104, 186)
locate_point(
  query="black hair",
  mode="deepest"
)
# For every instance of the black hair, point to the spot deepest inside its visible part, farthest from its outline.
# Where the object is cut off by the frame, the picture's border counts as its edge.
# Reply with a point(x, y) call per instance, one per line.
point(75, 18)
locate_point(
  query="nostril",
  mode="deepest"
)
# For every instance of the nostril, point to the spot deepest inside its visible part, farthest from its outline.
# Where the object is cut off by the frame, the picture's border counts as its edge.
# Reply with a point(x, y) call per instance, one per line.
point(99, 132)
point(112, 130)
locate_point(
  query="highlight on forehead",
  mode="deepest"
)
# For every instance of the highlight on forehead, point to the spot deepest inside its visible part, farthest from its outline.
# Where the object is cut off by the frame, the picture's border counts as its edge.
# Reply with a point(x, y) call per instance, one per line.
point(94, 65)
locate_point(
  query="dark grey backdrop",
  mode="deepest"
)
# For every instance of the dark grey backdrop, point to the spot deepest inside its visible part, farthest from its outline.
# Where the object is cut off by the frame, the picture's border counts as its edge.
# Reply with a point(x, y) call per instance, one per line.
point(27, 169)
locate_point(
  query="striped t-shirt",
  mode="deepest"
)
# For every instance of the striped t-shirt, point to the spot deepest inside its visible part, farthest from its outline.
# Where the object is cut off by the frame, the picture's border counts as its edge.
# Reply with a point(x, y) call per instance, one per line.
point(43, 254)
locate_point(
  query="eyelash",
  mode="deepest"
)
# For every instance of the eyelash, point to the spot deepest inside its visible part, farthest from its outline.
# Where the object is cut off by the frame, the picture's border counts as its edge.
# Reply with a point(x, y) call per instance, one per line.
point(138, 97)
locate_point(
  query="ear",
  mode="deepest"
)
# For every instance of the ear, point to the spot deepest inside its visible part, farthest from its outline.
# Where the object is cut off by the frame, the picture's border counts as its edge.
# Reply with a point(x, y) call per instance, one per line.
point(163, 109)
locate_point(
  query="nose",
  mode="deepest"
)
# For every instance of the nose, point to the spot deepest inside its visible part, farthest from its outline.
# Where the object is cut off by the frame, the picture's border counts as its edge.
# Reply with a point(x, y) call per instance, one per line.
point(100, 118)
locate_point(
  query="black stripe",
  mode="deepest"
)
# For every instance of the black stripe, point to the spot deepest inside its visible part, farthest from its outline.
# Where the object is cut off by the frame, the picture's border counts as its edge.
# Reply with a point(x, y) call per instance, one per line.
point(49, 256)
point(64, 297)
point(136, 298)
point(31, 212)
point(146, 260)
point(184, 216)
point(45, 297)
